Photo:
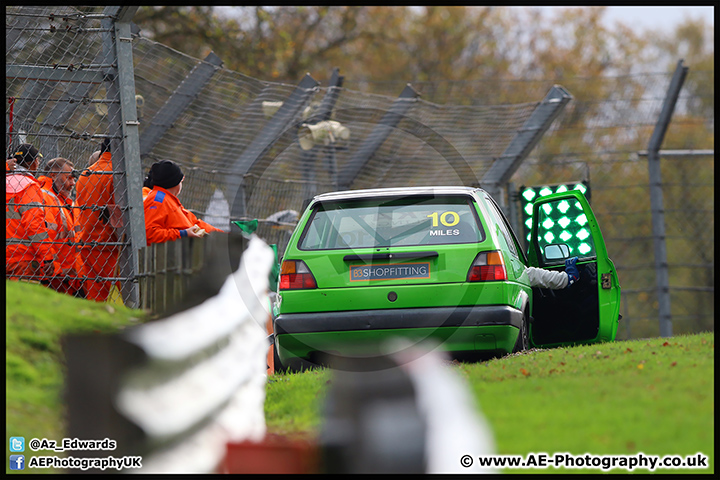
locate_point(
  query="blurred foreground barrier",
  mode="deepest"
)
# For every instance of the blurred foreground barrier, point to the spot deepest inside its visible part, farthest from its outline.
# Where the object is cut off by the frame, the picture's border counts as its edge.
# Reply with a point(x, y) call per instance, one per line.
point(177, 390)
point(402, 411)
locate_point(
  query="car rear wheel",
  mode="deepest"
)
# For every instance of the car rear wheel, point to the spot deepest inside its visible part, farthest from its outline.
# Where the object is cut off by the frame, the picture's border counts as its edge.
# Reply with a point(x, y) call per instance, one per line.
point(523, 341)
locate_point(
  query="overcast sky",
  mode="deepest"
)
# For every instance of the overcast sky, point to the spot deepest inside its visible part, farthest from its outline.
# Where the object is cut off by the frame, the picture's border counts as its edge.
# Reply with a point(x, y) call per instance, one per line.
point(642, 18)
point(657, 17)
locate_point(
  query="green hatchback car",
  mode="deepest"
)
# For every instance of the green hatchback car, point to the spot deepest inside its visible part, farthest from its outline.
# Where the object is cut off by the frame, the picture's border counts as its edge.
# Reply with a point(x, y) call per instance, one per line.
point(434, 263)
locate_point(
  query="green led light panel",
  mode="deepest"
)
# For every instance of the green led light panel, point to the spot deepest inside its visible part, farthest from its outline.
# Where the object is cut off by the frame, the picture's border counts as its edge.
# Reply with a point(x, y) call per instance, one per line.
point(560, 222)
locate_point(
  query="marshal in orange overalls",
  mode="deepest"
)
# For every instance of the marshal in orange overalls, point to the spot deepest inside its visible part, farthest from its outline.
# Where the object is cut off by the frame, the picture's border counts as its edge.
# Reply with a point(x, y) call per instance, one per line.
point(27, 248)
point(62, 228)
point(96, 200)
point(166, 218)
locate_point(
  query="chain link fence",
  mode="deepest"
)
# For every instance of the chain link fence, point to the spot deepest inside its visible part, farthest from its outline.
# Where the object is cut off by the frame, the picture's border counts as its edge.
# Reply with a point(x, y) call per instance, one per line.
point(252, 149)
point(216, 137)
point(63, 72)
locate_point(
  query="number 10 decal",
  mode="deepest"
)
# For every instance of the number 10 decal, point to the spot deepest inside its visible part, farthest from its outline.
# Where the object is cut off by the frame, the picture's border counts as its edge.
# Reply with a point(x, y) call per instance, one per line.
point(455, 218)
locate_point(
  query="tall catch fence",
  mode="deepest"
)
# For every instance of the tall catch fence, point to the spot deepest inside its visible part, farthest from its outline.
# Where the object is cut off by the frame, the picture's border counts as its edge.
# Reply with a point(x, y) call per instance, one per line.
point(252, 149)
point(69, 88)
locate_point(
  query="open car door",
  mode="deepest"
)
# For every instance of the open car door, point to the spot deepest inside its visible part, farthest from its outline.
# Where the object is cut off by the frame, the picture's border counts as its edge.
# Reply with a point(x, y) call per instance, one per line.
point(564, 226)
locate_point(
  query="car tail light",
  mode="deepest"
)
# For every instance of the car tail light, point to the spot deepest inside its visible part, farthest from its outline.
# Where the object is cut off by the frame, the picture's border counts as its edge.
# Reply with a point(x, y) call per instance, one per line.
point(487, 267)
point(295, 275)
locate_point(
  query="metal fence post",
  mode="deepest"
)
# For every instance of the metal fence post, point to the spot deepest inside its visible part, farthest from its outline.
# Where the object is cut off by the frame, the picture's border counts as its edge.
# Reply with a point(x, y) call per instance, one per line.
point(161, 276)
point(656, 199)
point(126, 160)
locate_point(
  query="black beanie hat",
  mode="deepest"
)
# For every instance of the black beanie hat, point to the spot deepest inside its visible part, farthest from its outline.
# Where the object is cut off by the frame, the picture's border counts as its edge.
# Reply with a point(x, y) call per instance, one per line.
point(165, 174)
point(105, 146)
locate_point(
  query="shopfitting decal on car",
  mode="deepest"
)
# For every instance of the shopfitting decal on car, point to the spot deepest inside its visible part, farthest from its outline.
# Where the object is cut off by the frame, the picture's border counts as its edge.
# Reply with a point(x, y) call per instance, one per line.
point(389, 272)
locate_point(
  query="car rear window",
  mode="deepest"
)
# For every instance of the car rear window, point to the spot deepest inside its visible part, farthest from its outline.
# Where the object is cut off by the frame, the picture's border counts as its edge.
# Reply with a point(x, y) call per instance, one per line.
point(407, 221)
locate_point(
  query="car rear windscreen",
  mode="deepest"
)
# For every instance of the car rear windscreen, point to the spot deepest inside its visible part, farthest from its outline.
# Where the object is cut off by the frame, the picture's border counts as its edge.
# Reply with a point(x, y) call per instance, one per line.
point(407, 221)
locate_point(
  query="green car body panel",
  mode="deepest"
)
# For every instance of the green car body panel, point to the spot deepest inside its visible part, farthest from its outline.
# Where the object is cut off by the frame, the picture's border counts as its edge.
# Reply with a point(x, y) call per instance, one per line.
point(368, 290)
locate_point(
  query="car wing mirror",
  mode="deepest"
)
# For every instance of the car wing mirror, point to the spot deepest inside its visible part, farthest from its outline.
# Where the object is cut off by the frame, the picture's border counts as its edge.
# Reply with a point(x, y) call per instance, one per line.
point(557, 251)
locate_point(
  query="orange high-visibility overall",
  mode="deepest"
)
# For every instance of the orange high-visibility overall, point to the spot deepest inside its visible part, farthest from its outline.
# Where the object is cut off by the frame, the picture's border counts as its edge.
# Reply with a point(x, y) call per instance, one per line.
point(27, 247)
point(94, 199)
point(62, 230)
point(166, 218)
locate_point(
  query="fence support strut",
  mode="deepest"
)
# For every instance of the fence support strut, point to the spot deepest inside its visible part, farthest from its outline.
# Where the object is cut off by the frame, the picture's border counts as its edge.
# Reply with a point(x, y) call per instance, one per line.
point(181, 98)
point(266, 138)
point(524, 141)
point(324, 112)
point(377, 137)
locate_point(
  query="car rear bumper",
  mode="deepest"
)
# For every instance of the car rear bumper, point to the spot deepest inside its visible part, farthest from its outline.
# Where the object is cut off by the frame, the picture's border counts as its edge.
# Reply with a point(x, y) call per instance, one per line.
point(436, 317)
point(486, 330)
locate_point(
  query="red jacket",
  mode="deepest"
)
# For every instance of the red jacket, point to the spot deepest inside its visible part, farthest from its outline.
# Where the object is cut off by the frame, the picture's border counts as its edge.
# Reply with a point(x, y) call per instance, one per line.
point(165, 217)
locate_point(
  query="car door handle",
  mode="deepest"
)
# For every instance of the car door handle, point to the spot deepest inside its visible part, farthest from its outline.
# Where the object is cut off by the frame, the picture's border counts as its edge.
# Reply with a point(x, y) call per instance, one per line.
point(389, 256)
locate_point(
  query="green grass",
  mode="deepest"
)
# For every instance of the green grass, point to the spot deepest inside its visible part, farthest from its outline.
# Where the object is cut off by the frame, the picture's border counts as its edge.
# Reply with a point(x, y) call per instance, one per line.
point(654, 396)
point(293, 402)
point(36, 318)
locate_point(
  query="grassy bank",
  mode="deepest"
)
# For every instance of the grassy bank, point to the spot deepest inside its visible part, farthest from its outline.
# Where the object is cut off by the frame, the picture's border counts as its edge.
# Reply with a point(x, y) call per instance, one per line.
point(36, 318)
point(654, 396)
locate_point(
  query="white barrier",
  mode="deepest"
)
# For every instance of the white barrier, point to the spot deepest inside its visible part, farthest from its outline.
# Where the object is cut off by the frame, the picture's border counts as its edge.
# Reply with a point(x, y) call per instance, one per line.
point(177, 390)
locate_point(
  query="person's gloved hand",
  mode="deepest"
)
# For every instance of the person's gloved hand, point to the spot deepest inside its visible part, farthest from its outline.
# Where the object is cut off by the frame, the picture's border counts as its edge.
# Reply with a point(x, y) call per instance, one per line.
point(572, 271)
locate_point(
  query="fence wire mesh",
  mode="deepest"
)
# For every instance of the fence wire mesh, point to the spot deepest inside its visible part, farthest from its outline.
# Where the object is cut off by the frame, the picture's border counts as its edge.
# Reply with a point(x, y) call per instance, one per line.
point(62, 110)
point(212, 123)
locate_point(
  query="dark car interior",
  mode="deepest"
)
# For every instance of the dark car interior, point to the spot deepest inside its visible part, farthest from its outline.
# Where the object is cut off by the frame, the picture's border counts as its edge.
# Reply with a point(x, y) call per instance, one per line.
point(570, 314)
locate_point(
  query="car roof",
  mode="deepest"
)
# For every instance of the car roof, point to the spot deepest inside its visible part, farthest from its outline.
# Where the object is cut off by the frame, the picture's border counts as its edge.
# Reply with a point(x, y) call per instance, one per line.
point(404, 191)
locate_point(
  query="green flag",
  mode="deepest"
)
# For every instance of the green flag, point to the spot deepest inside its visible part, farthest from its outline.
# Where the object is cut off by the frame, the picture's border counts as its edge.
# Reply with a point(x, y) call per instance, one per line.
point(248, 227)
